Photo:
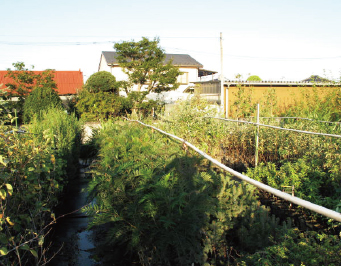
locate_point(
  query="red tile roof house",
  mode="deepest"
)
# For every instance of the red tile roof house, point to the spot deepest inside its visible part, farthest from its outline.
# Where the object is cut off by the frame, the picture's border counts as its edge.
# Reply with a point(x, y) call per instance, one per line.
point(68, 82)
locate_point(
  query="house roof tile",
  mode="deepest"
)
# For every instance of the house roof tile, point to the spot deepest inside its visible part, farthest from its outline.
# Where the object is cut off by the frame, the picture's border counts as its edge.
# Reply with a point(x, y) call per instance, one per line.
point(184, 60)
point(68, 82)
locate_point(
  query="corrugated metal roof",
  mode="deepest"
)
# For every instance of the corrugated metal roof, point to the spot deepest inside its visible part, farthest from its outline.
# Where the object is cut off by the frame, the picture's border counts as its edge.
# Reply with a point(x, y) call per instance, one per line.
point(184, 60)
point(68, 82)
point(271, 83)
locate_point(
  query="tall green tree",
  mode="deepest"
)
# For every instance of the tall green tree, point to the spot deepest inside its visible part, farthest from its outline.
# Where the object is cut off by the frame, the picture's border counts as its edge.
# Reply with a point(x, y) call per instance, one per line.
point(144, 63)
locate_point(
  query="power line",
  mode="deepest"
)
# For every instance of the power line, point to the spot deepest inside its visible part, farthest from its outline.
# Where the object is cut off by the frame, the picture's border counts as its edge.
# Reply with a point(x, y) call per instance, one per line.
point(284, 58)
point(54, 43)
point(245, 57)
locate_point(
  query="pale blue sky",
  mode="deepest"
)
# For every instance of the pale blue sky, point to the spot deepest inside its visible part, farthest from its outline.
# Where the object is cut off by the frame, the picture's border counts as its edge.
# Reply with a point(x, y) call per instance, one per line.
point(275, 39)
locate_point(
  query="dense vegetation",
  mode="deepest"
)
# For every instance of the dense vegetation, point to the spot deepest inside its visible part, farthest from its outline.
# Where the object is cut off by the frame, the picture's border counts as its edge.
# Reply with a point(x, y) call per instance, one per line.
point(102, 105)
point(309, 163)
point(160, 203)
point(39, 100)
point(155, 202)
point(164, 205)
point(24, 81)
point(167, 206)
point(33, 173)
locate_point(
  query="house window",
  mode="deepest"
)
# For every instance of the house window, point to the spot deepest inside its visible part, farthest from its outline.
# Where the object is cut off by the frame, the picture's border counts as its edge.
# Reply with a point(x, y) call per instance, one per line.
point(183, 78)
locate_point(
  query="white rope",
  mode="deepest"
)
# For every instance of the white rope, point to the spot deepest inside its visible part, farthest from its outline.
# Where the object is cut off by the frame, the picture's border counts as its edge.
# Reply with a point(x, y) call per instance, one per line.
point(275, 127)
point(311, 206)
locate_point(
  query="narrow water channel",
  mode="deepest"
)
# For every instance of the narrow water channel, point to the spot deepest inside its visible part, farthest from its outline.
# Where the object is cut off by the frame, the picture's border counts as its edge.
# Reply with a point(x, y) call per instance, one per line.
point(70, 234)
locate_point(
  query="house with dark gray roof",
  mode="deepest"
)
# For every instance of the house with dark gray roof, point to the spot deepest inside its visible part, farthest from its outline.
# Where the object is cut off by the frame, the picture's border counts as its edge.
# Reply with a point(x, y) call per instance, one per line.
point(192, 72)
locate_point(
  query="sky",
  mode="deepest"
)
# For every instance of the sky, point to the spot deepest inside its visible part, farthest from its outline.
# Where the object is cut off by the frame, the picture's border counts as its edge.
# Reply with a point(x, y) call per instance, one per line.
point(274, 39)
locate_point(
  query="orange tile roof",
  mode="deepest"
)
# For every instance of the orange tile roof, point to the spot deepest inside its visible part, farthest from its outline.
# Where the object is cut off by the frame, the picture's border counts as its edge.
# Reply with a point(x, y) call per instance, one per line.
point(68, 82)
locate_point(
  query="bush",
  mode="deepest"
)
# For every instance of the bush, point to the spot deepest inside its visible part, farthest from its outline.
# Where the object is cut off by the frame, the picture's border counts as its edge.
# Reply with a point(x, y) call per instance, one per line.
point(32, 177)
point(63, 131)
point(254, 78)
point(296, 248)
point(104, 105)
point(40, 100)
point(5, 114)
point(143, 107)
point(97, 106)
point(102, 81)
point(157, 203)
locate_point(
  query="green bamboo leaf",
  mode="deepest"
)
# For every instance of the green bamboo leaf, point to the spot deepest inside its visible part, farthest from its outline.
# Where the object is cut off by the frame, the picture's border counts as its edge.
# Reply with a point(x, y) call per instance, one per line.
point(2, 160)
point(34, 253)
point(25, 247)
point(3, 194)
point(41, 241)
point(3, 251)
point(9, 189)
point(8, 220)
point(3, 239)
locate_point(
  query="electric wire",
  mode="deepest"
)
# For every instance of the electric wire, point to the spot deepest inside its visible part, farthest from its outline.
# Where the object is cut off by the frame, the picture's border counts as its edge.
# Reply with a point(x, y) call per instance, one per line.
point(84, 43)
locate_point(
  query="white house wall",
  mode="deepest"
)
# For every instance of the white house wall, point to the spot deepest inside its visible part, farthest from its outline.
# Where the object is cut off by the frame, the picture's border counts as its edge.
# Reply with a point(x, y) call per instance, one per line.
point(168, 97)
point(192, 73)
point(103, 64)
point(118, 73)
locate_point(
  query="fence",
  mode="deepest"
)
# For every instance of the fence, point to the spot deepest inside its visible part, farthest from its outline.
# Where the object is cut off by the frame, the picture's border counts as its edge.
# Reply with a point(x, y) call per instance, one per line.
point(276, 127)
point(298, 201)
point(301, 118)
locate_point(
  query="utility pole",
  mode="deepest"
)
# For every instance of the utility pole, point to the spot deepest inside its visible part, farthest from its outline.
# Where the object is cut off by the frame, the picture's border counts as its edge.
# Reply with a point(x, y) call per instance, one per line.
point(223, 97)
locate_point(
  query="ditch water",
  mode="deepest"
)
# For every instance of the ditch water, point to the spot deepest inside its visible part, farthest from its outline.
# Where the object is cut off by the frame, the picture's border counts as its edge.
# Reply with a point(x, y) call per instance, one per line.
point(72, 243)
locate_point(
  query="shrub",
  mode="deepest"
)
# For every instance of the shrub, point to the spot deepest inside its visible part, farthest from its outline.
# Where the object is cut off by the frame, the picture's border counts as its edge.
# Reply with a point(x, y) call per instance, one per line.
point(102, 81)
point(63, 131)
point(159, 204)
point(5, 114)
point(32, 176)
point(254, 78)
point(40, 100)
point(97, 106)
point(296, 248)
point(259, 229)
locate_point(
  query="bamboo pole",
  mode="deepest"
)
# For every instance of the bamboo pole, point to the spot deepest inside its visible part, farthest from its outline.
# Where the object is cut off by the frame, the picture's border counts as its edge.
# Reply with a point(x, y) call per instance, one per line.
point(257, 137)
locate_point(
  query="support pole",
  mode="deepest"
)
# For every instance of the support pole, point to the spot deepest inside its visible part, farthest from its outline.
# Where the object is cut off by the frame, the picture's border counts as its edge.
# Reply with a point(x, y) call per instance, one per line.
point(223, 94)
point(257, 137)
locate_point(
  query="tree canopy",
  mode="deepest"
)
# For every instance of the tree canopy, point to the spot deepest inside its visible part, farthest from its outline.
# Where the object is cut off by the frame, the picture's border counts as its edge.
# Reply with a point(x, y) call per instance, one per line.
point(25, 80)
point(254, 78)
point(102, 81)
point(144, 63)
point(316, 78)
